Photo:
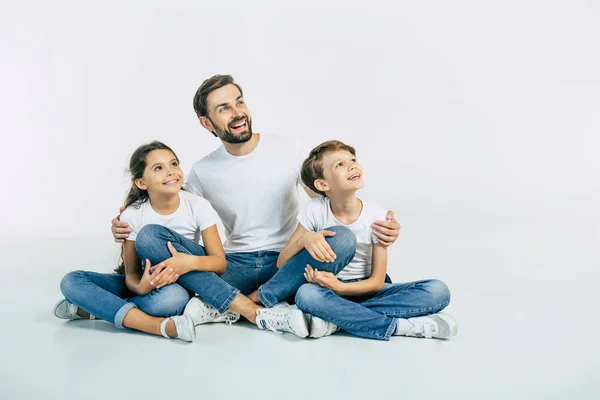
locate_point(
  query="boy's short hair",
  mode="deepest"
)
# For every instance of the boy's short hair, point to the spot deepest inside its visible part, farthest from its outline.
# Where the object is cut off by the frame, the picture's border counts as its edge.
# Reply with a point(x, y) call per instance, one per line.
point(312, 167)
point(208, 86)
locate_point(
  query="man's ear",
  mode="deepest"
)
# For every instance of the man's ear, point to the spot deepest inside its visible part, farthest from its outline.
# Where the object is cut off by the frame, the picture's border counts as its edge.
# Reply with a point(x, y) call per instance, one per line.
point(141, 184)
point(206, 124)
point(321, 185)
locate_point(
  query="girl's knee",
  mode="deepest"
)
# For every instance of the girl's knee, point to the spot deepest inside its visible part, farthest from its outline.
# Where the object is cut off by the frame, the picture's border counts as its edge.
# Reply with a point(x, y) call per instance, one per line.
point(168, 301)
point(70, 281)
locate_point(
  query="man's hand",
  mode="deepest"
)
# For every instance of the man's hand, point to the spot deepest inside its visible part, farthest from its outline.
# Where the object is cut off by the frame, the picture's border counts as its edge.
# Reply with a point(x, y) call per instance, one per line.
point(322, 278)
point(120, 230)
point(172, 268)
point(317, 246)
point(386, 231)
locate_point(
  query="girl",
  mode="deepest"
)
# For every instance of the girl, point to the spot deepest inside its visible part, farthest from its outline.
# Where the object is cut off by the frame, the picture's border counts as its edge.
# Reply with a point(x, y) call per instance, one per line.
point(148, 299)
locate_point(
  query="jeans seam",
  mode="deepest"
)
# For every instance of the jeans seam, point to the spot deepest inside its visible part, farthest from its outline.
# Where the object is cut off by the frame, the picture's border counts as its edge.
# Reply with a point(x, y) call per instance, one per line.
point(419, 311)
point(228, 301)
point(262, 297)
point(377, 335)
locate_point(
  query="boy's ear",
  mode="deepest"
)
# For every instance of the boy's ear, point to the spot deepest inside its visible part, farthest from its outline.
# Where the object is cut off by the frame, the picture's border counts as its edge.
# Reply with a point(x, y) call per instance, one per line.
point(140, 184)
point(321, 185)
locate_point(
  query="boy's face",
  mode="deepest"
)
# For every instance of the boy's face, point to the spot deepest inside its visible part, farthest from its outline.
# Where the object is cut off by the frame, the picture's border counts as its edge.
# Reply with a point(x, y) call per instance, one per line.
point(341, 172)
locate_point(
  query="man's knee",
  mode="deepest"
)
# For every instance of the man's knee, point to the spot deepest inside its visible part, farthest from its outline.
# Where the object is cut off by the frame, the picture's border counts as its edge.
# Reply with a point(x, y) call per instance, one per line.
point(344, 241)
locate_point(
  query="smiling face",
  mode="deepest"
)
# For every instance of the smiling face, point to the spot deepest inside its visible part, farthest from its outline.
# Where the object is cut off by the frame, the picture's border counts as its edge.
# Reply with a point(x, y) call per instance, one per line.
point(342, 174)
point(162, 174)
point(227, 115)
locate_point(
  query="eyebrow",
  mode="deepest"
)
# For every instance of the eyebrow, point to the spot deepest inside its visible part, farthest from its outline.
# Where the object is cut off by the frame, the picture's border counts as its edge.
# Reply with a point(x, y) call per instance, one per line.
point(224, 104)
point(159, 163)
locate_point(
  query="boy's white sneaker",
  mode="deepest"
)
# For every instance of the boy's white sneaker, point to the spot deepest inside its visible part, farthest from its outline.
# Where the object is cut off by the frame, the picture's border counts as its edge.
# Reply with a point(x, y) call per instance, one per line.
point(282, 318)
point(184, 326)
point(65, 310)
point(439, 326)
point(204, 313)
point(319, 327)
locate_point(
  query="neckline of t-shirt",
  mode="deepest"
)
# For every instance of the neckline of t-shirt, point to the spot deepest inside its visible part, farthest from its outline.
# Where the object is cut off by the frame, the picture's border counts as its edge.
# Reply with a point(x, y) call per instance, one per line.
point(167, 215)
point(362, 203)
point(256, 149)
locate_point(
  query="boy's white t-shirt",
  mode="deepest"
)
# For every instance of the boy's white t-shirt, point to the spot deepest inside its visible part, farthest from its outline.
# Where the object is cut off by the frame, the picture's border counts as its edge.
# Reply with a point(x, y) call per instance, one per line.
point(317, 215)
point(256, 196)
point(194, 215)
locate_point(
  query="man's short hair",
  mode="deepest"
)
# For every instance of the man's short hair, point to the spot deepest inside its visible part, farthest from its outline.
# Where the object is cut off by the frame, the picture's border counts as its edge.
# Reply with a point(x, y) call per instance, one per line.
point(208, 86)
point(312, 167)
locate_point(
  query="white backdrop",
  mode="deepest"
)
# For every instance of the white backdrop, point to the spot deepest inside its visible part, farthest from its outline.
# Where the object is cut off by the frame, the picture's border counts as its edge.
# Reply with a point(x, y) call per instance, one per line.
point(481, 110)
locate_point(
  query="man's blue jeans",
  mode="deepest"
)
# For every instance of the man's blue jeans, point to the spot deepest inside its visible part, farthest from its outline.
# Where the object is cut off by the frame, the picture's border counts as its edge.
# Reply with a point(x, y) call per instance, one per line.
point(107, 296)
point(374, 316)
point(245, 272)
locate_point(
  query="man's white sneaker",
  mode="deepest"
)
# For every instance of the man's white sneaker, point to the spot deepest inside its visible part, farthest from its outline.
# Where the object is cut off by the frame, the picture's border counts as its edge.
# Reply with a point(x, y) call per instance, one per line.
point(439, 326)
point(282, 318)
point(319, 327)
point(204, 313)
point(184, 326)
point(65, 310)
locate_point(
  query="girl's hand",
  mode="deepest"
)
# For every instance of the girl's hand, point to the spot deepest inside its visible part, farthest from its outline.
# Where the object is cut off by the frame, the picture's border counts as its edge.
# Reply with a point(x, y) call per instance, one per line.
point(322, 278)
point(172, 268)
point(145, 286)
point(317, 246)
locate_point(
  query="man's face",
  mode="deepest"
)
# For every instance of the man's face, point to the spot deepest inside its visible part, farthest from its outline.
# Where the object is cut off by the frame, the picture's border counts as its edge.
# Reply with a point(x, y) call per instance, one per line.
point(228, 115)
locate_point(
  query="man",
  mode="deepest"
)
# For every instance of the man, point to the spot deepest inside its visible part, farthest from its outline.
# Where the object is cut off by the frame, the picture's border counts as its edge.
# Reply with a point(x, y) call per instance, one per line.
point(251, 181)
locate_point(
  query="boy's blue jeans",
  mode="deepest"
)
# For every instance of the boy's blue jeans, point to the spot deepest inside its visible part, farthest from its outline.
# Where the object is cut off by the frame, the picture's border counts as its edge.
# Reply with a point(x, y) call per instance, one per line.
point(107, 297)
point(374, 316)
point(245, 272)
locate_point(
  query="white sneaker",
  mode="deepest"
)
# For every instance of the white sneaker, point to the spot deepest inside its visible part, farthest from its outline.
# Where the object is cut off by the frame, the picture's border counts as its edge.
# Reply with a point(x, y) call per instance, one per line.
point(319, 327)
point(65, 310)
point(440, 326)
point(184, 326)
point(204, 313)
point(282, 318)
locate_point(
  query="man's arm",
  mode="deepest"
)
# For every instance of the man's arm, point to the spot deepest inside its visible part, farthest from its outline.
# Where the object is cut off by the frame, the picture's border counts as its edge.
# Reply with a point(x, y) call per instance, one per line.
point(386, 231)
point(120, 230)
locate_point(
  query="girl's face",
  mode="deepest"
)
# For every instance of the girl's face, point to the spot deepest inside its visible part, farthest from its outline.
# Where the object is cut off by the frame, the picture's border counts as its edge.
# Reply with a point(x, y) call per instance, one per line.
point(162, 174)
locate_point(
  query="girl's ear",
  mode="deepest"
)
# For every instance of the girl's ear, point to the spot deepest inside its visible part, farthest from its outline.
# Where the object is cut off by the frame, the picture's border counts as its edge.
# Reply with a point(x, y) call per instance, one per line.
point(140, 184)
point(321, 185)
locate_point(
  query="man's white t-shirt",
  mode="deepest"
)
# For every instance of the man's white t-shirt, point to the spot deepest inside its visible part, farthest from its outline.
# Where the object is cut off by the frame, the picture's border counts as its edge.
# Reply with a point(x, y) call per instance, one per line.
point(193, 215)
point(256, 196)
point(317, 215)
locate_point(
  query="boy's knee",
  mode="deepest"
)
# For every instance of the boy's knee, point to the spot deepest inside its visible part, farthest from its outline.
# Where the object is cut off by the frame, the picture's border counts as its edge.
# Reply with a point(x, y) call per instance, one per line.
point(344, 241)
point(439, 291)
point(309, 295)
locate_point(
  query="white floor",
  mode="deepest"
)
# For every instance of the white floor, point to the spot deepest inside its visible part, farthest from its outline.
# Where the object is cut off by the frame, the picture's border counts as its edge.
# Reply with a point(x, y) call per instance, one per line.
point(523, 293)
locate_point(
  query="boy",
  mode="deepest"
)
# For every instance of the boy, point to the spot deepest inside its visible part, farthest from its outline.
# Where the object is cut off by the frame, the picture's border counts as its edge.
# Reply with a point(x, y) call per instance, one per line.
point(357, 299)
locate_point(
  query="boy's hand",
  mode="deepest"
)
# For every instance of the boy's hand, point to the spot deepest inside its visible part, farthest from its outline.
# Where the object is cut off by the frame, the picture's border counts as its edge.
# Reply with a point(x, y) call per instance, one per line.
point(317, 246)
point(386, 231)
point(120, 230)
point(322, 278)
point(172, 268)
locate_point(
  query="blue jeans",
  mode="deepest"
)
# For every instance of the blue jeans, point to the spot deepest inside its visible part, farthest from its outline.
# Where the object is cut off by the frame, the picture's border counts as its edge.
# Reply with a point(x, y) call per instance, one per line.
point(245, 271)
point(374, 316)
point(108, 297)
point(290, 276)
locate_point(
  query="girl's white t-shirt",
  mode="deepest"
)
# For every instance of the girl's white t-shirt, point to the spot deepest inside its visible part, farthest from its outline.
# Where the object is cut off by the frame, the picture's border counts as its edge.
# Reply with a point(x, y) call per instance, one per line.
point(316, 215)
point(194, 215)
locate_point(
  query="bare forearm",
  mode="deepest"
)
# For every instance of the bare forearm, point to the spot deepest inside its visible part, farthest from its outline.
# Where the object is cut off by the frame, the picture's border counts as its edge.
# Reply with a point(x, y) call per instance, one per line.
point(289, 252)
point(367, 286)
point(214, 264)
point(132, 281)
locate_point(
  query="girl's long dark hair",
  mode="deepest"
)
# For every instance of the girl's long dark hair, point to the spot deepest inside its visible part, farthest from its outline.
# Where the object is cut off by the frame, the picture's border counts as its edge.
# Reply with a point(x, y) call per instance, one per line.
point(136, 196)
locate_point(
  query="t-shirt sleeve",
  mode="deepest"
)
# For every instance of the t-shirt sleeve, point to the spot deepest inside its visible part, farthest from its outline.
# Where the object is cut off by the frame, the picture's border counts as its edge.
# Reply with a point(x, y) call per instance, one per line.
point(192, 183)
point(206, 216)
point(132, 217)
point(310, 215)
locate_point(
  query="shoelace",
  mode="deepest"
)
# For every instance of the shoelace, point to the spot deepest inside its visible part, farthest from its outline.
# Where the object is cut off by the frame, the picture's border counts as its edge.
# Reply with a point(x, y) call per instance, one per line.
point(230, 318)
point(274, 320)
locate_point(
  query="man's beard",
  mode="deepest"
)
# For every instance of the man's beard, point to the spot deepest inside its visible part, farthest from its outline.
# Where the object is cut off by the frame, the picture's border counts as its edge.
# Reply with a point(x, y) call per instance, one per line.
point(227, 136)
